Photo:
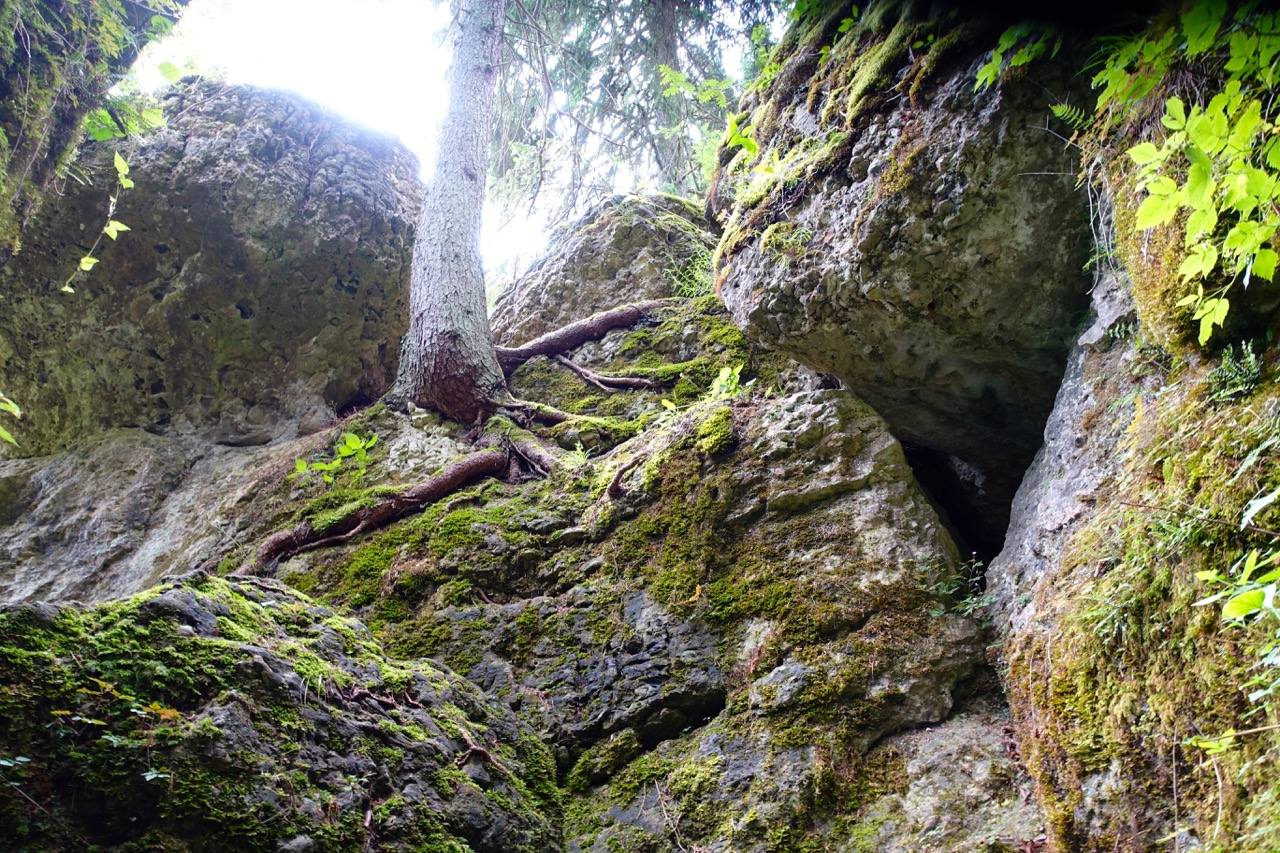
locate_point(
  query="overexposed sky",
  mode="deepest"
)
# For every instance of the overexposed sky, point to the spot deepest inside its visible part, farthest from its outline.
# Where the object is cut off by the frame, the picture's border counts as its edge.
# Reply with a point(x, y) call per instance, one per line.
point(378, 62)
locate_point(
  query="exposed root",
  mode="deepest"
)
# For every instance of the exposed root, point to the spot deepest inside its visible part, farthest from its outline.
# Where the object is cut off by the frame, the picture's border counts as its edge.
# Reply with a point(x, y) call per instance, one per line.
point(538, 411)
point(289, 543)
point(575, 334)
point(539, 457)
point(616, 489)
point(606, 382)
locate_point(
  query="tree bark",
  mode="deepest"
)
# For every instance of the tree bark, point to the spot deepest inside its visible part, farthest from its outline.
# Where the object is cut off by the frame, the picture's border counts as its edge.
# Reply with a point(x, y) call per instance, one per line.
point(447, 358)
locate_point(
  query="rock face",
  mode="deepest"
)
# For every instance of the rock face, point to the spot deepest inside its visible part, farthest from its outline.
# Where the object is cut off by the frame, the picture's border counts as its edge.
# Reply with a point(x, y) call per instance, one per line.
point(1114, 661)
point(258, 292)
point(925, 248)
point(213, 715)
point(751, 615)
point(626, 249)
point(172, 502)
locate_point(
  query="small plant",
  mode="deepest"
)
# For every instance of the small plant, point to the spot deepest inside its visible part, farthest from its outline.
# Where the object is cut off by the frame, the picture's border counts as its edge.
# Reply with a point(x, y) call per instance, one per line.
point(113, 228)
point(740, 137)
point(727, 384)
point(694, 277)
point(1031, 40)
point(349, 446)
point(963, 594)
point(1236, 376)
point(7, 405)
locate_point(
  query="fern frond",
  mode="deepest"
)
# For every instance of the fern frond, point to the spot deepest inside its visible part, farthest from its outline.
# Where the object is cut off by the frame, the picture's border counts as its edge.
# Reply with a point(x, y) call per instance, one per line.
point(1072, 115)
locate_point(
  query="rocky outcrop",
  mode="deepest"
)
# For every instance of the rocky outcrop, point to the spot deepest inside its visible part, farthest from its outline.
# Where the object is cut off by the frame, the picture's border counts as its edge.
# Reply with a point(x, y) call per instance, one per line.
point(212, 715)
point(625, 249)
point(918, 240)
point(750, 614)
point(1116, 663)
point(258, 291)
point(174, 502)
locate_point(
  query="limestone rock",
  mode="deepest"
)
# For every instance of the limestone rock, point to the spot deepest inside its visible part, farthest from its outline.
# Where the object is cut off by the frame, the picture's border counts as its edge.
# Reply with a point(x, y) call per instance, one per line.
point(118, 511)
point(626, 249)
point(259, 290)
point(919, 241)
point(209, 714)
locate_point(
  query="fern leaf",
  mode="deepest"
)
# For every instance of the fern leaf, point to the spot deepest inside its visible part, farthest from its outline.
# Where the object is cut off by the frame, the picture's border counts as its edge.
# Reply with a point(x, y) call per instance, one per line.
point(1072, 115)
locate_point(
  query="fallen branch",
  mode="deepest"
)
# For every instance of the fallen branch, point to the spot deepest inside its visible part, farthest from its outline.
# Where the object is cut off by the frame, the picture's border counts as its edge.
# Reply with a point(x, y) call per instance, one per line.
point(289, 543)
point(575, 334)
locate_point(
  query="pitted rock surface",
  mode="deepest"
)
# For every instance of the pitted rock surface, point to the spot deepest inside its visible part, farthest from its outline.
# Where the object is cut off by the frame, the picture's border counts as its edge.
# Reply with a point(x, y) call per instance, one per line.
point(933, 265)
point(259, 290)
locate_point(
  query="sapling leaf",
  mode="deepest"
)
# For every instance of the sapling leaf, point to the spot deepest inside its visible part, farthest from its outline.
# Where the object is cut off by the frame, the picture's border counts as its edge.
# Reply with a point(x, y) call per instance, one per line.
point(1244, 604)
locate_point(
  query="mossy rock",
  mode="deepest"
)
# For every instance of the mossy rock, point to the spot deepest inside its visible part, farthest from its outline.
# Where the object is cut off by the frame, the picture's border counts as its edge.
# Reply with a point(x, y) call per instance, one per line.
point(210, 714)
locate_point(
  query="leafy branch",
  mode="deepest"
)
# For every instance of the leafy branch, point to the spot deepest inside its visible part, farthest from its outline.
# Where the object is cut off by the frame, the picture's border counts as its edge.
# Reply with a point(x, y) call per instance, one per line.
point(113, 228)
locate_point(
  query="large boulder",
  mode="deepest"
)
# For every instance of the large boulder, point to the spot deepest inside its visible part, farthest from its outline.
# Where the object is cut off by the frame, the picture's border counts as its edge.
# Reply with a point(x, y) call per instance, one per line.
point(215, 715)
point(722, 617)
point(259, 290)
point(920, 241)
point(625, 249)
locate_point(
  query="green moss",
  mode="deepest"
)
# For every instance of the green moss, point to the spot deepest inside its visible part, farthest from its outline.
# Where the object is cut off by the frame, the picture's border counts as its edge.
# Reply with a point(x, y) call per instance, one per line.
point(1135, 666)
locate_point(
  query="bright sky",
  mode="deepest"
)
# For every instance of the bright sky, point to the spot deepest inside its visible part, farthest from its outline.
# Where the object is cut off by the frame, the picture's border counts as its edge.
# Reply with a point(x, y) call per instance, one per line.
point(378, 62)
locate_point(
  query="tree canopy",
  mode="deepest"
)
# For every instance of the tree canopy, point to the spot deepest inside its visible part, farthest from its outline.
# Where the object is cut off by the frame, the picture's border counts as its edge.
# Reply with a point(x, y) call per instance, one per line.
point(594, 91)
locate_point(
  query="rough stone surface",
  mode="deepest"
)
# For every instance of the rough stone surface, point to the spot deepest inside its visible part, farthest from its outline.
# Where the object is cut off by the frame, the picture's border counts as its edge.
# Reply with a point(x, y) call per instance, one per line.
point(259, 290)
point(753, 607)
point(244, 716)
point(931, 258)
point(626, 249)
point(120, 510)
point(965, 788)
point(1062, 486)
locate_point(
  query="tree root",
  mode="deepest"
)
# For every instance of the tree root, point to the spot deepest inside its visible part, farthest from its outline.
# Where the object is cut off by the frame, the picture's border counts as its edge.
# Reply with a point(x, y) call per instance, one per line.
point(609, 383)
point(575, 334)
point(289, 543)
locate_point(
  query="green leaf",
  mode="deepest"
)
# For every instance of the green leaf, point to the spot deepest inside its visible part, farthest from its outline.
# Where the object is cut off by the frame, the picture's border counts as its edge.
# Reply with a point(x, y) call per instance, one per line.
point(5, 436)
point(88, 262)
point(1211, 313)
point(1200, 187)
point(1175, 114)
point(1245, 604)
point(169, 71)
point(1264, 264)
point(127, 183)
point(1200, 25)
point(122, 168)
point(1156, 210)
point(300, 466)
point(113, 228)
point(1201, 223)
point(1146, 153)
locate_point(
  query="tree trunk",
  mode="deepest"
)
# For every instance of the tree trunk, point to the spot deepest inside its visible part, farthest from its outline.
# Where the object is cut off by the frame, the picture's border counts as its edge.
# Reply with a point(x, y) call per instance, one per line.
point(447, 358)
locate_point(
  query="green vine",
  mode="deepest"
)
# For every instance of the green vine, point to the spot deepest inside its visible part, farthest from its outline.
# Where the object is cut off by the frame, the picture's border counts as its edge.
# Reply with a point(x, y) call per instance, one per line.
point(57, 62)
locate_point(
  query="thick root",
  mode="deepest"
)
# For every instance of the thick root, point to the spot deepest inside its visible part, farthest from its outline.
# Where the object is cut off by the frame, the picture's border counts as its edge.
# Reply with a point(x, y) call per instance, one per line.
point(289, 543)
point(575, 334)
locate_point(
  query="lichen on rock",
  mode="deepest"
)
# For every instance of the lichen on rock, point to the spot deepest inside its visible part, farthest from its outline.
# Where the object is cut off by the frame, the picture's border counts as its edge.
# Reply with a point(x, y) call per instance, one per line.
point(919, 241)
